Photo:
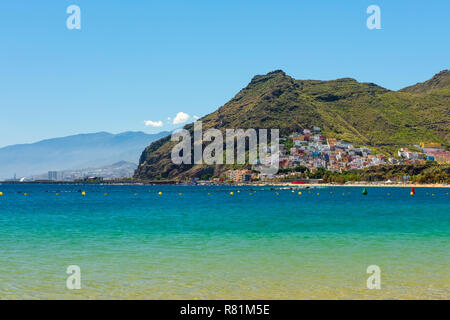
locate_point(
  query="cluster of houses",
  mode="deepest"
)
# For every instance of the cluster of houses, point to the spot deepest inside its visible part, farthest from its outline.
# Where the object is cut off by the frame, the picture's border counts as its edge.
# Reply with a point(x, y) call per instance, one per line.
point(311, 149)
point(429, 152)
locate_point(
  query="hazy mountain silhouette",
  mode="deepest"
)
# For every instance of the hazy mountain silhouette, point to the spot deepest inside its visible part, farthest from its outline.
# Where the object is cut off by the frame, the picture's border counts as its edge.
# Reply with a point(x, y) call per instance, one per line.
point(73, 152)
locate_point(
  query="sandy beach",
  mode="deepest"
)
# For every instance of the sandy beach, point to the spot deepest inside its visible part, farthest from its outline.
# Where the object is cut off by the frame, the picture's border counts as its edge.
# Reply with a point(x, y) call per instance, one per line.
point(369, 185)
point(362, 184)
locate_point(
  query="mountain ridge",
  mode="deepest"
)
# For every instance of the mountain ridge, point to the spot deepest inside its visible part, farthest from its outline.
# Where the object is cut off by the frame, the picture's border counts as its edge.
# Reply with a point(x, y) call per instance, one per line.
point(440, 80)
point(363, 113)
point(78, 135)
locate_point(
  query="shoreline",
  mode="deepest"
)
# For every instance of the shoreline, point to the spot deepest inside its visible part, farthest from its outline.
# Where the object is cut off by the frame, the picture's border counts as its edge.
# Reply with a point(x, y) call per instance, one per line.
point(259, 184)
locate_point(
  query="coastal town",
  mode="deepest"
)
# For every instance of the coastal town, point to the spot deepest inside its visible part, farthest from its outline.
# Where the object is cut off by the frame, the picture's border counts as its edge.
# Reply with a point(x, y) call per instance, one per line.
point(310, 150)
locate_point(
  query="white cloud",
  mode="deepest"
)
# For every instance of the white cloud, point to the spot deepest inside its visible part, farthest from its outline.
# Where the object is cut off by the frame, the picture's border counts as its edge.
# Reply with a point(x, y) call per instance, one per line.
point(153, 123)
point(181, 117)
point(196, 117)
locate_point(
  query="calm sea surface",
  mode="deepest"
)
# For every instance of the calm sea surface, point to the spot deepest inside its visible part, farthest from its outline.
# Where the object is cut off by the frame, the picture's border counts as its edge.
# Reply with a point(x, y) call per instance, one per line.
point(132, 243)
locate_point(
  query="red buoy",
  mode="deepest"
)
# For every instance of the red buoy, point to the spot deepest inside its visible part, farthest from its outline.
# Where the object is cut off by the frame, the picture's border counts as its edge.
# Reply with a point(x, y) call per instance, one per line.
point(413, 192)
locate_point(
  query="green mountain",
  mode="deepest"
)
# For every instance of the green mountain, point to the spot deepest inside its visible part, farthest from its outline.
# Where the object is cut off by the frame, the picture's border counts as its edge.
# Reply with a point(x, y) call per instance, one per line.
point(362, 113)
point(439, 82)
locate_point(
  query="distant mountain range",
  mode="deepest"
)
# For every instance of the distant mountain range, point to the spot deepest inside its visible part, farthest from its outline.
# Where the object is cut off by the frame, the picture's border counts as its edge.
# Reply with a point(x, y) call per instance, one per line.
point(362, 113)
point(80, 151)
point(121, 169)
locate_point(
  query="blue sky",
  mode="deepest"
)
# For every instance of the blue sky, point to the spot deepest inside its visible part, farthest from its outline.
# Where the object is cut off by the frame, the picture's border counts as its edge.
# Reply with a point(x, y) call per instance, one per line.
point(134, 61)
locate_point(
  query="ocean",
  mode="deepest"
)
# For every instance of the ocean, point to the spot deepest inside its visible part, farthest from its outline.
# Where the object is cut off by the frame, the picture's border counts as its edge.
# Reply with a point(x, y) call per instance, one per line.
point(201, 242)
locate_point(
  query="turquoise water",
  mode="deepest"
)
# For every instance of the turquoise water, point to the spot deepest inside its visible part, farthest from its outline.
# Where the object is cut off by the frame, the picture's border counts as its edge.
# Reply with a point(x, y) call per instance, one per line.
point(135, 244)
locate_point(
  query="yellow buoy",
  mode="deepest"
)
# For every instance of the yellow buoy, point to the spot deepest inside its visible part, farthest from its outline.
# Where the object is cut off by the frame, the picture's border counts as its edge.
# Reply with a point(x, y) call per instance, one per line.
point(277, 193)
point(293, 191)
point(83, 193)
point(318, 193)
point(231, 193)
point(389, 194)
point(180, 194)
point(300, 193)
point(25, 194)
point(57, 194)
point(106, 194)
point(251, 193)
point(239, 191)
point(1, 193)
point(159, 193)
point(412, 193)
point(209, 193)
